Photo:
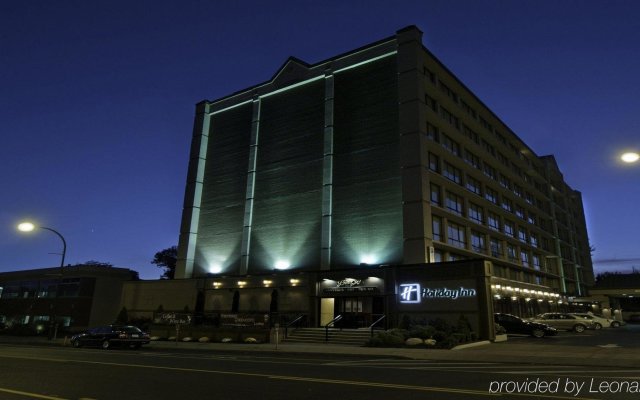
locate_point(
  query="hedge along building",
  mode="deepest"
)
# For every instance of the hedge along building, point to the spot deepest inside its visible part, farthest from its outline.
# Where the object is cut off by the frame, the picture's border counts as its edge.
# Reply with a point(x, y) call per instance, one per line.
point(376, 157)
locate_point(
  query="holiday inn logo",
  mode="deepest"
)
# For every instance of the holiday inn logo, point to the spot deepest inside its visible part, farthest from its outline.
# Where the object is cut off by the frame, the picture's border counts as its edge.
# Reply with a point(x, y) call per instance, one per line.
point(412, 293)
point(409, 293)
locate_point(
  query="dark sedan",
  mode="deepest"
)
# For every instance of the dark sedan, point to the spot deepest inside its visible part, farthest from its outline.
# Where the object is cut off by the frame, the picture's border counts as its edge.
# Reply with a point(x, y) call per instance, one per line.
point(112, 335)
point(513, 324)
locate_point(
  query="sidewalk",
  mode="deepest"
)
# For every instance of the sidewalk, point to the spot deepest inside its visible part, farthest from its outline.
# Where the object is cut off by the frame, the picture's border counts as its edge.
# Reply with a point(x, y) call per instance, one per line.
point(509, 352)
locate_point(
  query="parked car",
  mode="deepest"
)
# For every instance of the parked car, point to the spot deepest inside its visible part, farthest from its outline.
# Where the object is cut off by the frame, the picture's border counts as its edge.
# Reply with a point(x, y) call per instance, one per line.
point(111, 335)
point(599, 322)
point(564, 321)
point(513, 324)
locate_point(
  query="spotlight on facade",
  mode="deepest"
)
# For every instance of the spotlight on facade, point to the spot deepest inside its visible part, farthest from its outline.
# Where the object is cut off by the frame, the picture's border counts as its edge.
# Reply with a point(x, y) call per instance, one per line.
point(215, 269)
point(367, 259)
point(281, 264)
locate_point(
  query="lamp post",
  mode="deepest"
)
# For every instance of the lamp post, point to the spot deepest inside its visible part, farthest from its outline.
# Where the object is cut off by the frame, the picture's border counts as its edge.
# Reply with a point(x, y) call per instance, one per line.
point(29, 227)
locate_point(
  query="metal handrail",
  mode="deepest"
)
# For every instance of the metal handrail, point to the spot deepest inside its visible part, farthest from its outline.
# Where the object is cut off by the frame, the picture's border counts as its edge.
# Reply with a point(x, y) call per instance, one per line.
point(326, 327)
point(294, 322)
point(376, 323)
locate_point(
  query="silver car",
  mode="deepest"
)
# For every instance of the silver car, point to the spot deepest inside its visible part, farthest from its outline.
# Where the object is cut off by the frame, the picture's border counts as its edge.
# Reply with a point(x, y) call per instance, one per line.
point(565, 321)
point(599, 321)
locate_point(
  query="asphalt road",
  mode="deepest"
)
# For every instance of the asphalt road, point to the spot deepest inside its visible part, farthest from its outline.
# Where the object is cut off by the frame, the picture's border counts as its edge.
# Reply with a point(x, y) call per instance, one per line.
point(40, 372)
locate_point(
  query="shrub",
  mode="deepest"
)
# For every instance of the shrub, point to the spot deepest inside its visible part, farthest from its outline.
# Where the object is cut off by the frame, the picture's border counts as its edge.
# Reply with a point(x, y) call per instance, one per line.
point(422, 332)
point(392, 338)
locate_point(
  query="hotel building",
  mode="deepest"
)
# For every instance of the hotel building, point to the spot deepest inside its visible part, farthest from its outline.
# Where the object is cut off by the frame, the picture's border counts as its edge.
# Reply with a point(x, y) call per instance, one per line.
point(369, 163)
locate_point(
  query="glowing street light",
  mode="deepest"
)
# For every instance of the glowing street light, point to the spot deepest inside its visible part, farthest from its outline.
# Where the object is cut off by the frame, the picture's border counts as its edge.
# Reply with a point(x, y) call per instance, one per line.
point(29, 227)
point(630, 157)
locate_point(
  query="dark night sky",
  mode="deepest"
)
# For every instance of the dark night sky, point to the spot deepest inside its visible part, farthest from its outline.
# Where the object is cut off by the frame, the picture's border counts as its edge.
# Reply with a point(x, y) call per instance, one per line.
point(97, 103)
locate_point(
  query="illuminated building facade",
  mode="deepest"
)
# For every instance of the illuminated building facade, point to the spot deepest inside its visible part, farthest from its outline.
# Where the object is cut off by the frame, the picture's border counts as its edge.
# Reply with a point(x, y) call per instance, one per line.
point(379, 156)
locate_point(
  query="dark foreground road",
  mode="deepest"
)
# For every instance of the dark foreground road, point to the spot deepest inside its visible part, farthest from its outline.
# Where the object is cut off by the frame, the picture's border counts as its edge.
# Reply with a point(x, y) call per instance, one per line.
point(34, 372)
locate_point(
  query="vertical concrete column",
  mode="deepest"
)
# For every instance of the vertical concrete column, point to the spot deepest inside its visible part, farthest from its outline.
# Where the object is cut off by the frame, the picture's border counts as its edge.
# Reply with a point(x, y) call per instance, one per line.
point(327, 173)
point(416, 209)
point(193, 193)
point(251, 184)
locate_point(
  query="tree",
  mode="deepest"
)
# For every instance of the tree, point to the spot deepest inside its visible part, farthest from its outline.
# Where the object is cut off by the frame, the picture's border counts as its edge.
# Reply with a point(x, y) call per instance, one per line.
point(123, 316)
point(166, 259)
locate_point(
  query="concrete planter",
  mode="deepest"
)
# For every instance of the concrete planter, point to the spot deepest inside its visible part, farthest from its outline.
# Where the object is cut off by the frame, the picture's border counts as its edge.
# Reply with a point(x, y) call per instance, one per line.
point(500, 338)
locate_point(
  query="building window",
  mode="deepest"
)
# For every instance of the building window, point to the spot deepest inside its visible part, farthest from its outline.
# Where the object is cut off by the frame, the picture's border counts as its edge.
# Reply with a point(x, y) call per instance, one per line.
point(434, 163)
point(432, 132)
point(533, 238)
point(471, 134)
point(450, 118)
point(430, 75)
point(522, 234)
point(489, 171)
point(519, 211)
point(468, 109)
point(452, 173)
point(435, 194)
point(528, 197)
point(475, 213)
point(503, 159)
point(431, 102)
point(488, 148)
point(456, 235)
point(473, 185)
point(507, 204)
point(524, 258)
point(493, 220)
point(450, 93)
point(511, 253)
point(450, 145)
point(491, 195)
point(496, 247)
point(504, 181)
point(508, 228)
point(472, 159)
point(477, 242)
point(532, 219)
point(485, 124)
point(454, 203)
point(437, 256)
point(436, 225)
point(517, 190)
point(536, 262)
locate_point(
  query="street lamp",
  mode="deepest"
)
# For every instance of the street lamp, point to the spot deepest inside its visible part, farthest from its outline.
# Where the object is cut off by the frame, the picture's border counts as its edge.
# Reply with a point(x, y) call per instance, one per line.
point(29, 227)
point(630, 157)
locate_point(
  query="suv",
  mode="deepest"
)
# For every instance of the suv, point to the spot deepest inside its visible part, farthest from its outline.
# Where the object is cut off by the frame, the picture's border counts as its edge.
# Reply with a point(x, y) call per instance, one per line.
point(565, 321)
point(111, 335)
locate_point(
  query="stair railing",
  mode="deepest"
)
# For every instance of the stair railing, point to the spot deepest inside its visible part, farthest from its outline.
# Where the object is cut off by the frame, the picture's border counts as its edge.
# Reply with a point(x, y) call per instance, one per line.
point(379, 320)
point(330, 324)
point(295, 323)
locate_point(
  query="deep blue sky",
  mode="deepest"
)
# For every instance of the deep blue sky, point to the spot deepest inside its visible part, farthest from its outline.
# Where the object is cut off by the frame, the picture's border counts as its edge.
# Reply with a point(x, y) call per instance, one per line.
point(97, 103)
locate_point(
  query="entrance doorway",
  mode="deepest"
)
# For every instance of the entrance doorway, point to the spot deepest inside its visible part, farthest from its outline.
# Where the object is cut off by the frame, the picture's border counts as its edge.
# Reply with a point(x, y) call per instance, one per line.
point(356, 312)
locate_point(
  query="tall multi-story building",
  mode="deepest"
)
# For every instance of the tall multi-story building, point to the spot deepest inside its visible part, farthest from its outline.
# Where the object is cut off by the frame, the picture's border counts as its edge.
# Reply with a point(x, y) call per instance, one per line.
point(380, 156)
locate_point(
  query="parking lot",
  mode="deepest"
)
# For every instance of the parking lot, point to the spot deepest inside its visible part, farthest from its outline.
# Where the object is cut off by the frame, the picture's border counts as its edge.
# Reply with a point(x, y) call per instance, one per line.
point(624, 336)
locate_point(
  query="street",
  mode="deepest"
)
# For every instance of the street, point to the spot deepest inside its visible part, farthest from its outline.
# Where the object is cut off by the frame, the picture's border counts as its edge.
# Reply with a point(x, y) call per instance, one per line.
point(40, 372)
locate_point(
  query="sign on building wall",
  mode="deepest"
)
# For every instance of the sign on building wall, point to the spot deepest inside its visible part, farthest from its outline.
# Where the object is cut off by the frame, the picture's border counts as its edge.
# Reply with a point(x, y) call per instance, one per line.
point(170, 318)
point(438, 295)
point(351, 286)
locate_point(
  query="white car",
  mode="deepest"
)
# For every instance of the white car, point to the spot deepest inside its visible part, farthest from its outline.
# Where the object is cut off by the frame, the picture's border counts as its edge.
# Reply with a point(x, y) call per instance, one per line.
point(599, 322)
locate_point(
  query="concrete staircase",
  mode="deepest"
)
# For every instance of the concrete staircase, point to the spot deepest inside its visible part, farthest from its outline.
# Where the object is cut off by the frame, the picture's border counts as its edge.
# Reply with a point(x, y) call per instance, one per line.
point(352, 337)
